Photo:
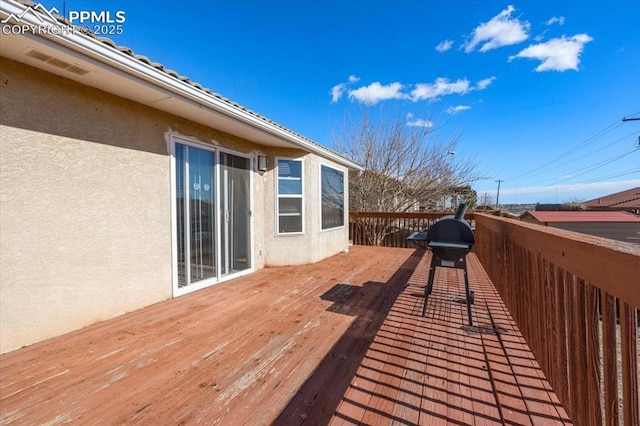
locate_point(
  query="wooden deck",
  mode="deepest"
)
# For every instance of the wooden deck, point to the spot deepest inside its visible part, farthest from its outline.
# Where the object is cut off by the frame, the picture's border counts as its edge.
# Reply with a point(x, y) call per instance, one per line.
point(338, 342)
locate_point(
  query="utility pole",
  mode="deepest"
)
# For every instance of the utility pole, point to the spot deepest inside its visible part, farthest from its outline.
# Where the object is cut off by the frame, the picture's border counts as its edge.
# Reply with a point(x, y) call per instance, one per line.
point(633, 119)
point(498, 194)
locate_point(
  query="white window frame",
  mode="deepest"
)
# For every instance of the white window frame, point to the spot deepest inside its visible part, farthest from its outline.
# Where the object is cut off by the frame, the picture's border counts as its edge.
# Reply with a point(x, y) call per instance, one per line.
point(172, 138)
point(344, 192)
point(278, 196)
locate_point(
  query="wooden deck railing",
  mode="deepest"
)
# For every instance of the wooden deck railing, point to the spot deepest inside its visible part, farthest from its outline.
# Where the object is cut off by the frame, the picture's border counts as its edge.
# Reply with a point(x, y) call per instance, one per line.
point(574, 297)
point(566, 291)
point(391, 229)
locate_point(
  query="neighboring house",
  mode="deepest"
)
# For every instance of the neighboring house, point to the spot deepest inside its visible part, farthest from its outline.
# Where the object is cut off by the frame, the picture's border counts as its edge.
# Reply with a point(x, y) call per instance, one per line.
point(617, 225)
point(123, 184)
point(628, 200)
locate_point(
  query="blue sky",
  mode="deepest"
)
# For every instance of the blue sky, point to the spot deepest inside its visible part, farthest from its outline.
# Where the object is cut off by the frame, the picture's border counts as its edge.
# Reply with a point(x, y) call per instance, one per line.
point(536, 90)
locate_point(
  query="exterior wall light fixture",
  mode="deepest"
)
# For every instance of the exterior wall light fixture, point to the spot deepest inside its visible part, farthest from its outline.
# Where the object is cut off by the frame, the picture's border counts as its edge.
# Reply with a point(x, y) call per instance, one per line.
point(262, 163)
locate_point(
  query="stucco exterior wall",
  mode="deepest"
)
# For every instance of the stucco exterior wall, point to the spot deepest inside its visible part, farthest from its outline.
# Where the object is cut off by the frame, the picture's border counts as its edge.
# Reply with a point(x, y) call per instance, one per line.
point(85, 199)
point(85, 220)
point(314, 244)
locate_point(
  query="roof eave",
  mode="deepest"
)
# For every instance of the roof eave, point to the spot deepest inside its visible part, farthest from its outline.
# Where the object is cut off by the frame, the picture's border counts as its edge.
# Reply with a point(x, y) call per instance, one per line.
point(180, 88)
point(117, 60)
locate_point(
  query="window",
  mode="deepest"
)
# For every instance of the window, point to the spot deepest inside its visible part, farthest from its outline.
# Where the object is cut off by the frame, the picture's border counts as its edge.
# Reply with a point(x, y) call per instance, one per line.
point(332, 197)
point(289, 196)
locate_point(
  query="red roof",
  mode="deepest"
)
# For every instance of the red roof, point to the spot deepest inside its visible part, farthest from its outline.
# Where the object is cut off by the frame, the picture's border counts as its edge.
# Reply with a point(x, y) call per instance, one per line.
point(623, 199)
point(584, 216)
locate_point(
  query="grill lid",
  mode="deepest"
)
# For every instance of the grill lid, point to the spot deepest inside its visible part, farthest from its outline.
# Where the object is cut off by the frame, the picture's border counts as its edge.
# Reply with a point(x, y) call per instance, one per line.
point(452, 229)
point(450, 238)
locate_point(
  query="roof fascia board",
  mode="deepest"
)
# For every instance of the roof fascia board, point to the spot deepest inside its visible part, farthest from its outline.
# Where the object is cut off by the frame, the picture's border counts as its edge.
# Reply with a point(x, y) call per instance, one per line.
point(113, 58)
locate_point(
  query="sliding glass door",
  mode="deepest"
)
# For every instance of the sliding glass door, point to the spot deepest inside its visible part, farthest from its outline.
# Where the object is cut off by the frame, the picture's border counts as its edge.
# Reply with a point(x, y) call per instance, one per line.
point(234, 213)
point(212, 215)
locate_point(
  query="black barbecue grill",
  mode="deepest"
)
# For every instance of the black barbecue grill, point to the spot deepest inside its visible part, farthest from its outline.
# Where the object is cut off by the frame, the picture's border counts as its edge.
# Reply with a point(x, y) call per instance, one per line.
point(449, 239)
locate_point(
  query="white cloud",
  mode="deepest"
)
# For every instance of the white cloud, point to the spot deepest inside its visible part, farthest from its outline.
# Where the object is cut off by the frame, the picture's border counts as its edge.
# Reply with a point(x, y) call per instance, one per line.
point(440, 87)
point(556, 20)
point(484, 83)
point(558, 54)
point(444, 45)
point(336, 92)
point(456, 109)
point(539, 37)
point(418, 122)
point(501, 30)
point(376, 92)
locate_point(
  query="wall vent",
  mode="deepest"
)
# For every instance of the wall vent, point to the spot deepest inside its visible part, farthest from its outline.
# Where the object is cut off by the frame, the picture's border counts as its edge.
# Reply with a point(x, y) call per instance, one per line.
point(39, 55)
point(58, 63)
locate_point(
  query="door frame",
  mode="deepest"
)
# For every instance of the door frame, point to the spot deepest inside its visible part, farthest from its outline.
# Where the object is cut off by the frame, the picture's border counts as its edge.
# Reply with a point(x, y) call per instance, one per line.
point(172, 139)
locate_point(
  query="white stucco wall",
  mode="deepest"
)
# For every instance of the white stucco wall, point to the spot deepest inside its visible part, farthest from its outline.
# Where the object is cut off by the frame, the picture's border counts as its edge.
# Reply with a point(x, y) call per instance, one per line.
point(85, 199)
point(85, 219)
point(83, 237)
point(314, 244)
point(84, 230)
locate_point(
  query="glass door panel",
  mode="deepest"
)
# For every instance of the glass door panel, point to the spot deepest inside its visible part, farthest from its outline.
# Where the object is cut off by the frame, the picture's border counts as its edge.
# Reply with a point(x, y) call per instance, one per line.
point(195, 192)
point(202, 214)
point(235, 214)
point(180, 214)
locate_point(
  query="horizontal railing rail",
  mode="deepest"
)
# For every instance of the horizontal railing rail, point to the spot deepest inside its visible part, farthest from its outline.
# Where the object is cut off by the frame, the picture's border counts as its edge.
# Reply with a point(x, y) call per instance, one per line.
point(575, 298)
point(391, 229)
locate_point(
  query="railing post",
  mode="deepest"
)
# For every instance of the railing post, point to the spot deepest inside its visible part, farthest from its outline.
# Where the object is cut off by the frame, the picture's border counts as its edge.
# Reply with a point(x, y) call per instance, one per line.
point(593, 355)
point(610, 359)
point(629, 351)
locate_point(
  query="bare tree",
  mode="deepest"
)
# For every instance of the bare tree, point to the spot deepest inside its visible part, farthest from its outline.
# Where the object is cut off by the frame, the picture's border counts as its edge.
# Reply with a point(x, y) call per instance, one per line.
point(405, 167)
point(486, 199)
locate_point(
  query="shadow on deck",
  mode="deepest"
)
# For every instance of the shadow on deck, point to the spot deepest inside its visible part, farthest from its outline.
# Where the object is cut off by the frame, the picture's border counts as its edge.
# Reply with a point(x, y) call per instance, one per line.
point(341, 341)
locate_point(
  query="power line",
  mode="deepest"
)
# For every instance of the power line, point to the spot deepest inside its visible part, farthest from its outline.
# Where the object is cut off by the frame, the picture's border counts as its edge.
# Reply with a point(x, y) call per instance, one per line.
point(601, 178)
point(547, 188)
point(596, 166)
point(593, 152)
point(593, 138)
point(615, 175)
point(588, 141)
point(586, 169)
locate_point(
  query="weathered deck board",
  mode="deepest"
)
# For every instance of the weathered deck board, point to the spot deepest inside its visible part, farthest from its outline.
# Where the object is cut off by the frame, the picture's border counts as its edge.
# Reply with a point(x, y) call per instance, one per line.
point(340, 341)
point(437, 369)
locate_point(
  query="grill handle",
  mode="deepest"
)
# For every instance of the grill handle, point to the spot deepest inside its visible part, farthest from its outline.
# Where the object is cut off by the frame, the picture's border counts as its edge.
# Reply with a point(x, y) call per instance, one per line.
point(462, 209)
